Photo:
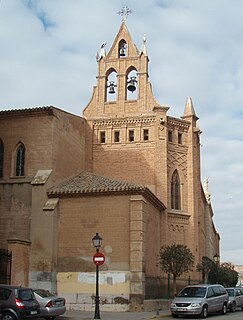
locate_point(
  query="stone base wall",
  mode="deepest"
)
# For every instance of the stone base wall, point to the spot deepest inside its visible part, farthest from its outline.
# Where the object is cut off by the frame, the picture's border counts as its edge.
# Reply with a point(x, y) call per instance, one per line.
point(20, 261)
point(43, 280)
point(157, 304)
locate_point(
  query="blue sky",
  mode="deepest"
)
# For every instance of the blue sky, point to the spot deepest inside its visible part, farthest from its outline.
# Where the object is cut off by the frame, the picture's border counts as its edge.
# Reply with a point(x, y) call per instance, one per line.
point(47, 57)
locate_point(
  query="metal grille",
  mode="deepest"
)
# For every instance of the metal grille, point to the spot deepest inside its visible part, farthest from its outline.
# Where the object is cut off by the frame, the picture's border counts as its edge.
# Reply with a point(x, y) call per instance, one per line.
point(5, 266)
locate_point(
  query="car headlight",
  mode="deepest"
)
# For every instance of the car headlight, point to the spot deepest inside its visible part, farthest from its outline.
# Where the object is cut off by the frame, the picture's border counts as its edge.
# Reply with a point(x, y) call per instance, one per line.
point(195, 305)
point(172, 305)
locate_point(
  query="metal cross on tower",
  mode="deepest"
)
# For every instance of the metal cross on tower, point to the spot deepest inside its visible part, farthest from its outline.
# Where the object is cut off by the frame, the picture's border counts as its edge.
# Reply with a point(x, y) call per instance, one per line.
point(124, 12)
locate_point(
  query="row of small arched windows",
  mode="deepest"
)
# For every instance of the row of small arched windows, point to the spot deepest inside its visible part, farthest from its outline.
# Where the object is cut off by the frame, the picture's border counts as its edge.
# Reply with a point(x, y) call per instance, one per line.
point(19, 159)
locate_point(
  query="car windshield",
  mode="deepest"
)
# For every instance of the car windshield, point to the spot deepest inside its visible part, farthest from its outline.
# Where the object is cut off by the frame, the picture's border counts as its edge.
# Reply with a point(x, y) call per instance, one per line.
point(193, 292)
point(44, 293)
point(230, 292)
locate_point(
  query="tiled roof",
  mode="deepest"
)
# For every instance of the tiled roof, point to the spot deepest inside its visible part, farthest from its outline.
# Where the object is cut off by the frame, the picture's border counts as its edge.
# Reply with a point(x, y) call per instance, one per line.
point(36, 111)
point(27, 110)
point(87, 182)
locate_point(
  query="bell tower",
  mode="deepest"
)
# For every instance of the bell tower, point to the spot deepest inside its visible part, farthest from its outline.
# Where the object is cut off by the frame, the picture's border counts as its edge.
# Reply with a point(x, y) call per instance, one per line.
point(122, 80)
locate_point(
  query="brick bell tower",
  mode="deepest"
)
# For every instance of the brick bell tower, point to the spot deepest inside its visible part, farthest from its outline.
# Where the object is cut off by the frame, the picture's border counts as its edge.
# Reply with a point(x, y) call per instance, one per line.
point(126, 123)
point(131, 137)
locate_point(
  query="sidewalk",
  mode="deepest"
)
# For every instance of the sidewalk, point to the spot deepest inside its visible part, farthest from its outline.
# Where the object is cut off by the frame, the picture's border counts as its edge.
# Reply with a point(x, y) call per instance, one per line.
point(107, 315)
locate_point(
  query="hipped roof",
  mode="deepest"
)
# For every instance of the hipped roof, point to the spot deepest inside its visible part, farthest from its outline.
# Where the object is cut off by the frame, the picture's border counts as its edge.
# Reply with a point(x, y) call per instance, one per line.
point(90, 184)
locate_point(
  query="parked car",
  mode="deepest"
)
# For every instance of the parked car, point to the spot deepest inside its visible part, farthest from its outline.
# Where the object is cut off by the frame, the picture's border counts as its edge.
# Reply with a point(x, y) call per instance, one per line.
point(235, 298)
point(18, 303)
point(200, 300)
point(51, 305)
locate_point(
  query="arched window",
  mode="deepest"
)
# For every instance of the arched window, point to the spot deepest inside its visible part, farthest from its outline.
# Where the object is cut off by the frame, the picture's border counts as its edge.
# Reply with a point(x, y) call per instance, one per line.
point(122, 49)
point(1, 158)
point(131, 92)
point(111, 92)
point(175, 191)
point(19, 160)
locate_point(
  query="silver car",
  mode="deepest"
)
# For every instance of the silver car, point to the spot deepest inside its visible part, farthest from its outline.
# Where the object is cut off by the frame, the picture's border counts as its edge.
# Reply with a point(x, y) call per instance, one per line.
point(200, 300)
point(235, 298)
point(51, 305)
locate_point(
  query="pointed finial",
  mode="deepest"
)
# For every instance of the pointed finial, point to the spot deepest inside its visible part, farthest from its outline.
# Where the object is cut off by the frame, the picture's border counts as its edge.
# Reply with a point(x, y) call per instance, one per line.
point(205, 189)
point(189, 109)
point(124, 12)
point(144, 49)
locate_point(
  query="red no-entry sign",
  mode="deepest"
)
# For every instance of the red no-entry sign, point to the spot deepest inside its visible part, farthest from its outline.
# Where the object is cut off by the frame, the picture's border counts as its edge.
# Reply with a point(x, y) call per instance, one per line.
point(98, 258)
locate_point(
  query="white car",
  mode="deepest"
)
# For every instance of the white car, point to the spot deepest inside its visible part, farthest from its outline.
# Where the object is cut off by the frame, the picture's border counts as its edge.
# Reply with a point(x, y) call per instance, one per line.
point(51, 305)
point(235, 298)
point(200, 300)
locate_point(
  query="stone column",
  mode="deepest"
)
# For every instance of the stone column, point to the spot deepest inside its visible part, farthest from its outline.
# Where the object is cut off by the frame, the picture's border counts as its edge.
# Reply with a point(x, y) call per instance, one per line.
point(20, 261)
point(137, 253)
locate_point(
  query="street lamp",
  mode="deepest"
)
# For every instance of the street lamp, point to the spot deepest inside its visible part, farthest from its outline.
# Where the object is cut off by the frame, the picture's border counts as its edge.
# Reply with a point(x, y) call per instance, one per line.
point(216, 258)
point(97, 240)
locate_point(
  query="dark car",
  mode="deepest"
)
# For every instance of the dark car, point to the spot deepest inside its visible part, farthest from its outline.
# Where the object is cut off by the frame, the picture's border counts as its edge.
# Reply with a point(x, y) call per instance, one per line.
point(51, 305)
point(18, 303)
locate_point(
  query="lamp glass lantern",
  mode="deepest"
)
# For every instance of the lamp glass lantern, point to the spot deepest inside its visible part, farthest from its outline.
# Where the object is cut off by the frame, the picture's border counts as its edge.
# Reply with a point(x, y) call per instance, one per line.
point(97, 241)
point(216, 258)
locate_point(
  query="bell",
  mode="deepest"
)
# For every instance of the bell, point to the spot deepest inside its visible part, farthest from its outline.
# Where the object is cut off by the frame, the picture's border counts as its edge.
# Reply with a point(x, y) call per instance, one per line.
point(131, 84)
point(122, 52)
point(112, 87)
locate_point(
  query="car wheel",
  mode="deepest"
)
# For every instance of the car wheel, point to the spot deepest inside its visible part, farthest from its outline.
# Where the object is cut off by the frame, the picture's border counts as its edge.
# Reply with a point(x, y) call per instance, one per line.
point(224, 309)
point(204, 312)
point(174, 315)
point(233, 308)
point(8, 316)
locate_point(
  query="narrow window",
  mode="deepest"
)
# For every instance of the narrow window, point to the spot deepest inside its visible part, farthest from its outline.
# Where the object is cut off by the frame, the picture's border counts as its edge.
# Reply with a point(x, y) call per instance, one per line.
point(117, 136)
point(131, 135)
point(102, 137)
point(170, 136)
point(145, 134)
point(19, 161)
point(175, 191)
point(1, 158)
point(179, 138)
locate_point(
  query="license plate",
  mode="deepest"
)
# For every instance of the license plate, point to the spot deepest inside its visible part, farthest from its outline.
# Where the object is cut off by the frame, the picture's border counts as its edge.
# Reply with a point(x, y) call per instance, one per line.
point(33, 312)
point(181, 309)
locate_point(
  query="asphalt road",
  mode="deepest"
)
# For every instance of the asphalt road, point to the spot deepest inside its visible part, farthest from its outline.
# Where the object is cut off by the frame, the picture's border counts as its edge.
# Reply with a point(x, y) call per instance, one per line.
point(165, 314)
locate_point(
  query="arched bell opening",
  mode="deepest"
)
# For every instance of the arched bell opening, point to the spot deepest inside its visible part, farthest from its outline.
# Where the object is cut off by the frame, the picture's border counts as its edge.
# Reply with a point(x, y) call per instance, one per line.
point(122, 49)
point(131, 84)
point(111, 86)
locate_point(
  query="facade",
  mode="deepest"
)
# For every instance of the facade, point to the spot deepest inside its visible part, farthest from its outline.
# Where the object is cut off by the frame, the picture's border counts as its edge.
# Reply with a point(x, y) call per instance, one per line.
point(126, 169)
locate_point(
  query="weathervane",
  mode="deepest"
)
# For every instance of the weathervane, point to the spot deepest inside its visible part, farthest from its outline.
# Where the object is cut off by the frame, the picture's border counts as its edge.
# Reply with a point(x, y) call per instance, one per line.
point(124, 12)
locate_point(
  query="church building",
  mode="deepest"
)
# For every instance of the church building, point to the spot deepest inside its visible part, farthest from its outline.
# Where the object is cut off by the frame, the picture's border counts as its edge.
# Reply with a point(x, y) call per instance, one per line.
point(125, 169)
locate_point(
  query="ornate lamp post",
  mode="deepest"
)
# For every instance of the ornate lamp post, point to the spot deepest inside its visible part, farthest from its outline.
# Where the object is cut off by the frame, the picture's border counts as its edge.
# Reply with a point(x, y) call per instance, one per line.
point(216, 258)
point(97, 240)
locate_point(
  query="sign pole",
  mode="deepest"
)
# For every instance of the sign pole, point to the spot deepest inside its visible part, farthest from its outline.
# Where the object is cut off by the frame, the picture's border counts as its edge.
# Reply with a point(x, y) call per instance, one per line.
point(97, 298)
